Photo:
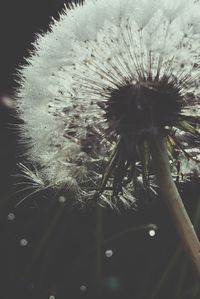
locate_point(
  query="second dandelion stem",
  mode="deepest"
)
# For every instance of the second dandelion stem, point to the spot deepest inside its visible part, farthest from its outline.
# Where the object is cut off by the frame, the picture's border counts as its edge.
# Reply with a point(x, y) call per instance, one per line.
point(173, 200)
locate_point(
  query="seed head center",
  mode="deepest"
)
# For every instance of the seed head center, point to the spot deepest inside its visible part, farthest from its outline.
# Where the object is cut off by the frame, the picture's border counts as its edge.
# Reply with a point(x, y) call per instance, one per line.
point(140, 107)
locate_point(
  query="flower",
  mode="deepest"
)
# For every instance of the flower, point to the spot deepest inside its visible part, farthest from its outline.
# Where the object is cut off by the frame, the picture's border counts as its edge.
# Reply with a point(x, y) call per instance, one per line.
point(105, 78)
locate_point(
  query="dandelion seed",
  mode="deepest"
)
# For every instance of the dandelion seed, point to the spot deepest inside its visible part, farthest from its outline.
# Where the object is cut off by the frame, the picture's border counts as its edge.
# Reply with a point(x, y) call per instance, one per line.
point(110, 93)
point(106, 78)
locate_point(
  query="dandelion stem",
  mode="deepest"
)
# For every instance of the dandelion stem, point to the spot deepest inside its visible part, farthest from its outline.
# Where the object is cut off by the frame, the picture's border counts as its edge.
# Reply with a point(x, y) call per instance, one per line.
point(166, 274)
point(174, 202)
point(99, 247)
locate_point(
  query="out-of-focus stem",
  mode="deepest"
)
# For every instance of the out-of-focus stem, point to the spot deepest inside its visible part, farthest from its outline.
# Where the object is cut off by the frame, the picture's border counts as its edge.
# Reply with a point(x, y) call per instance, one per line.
point(99, 248)
point(173, 200)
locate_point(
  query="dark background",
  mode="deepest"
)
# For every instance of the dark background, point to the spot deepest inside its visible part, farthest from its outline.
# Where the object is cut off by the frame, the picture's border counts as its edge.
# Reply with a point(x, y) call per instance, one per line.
point(60, 255)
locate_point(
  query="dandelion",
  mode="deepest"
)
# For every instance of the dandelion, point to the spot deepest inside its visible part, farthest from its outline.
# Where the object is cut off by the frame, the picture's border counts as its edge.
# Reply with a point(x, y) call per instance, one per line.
point(109, 94)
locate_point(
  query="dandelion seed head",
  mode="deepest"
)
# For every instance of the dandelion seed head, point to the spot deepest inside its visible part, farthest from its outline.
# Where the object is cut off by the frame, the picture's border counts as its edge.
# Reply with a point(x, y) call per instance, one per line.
point(108, 72)
point(137, 109)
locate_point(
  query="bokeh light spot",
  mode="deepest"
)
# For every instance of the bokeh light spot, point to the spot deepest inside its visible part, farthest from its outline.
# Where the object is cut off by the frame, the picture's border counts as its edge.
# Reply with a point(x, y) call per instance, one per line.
point(83, 288)
point(152, 233)
point(113, 283)
point(23, 242)
point(11, 216)
point(109, 253)
point(62, 199)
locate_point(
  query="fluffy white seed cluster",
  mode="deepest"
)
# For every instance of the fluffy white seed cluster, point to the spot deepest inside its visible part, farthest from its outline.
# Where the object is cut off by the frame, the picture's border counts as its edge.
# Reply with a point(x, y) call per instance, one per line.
point(93, 48)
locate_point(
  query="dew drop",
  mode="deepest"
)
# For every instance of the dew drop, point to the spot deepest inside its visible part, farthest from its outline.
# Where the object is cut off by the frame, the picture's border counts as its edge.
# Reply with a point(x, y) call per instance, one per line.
point(109, 253)
point(62, 199)
point(23, 242)
point(11, 216)
point(152, 233)
point(83, 288)
point(185, 143)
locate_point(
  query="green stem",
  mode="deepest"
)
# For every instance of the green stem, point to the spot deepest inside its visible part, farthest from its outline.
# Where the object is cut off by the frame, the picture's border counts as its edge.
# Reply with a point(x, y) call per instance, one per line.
point(99, 248)
point(165, 276)
point(182, 277)
point(173, 200)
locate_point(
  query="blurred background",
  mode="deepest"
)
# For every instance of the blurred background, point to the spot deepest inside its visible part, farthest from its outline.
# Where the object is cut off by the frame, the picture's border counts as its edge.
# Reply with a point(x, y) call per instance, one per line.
point(53, 250)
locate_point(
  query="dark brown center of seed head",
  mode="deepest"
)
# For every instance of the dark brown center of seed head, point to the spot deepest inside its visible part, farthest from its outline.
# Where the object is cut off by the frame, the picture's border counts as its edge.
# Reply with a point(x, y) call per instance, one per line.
point(141, 107)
